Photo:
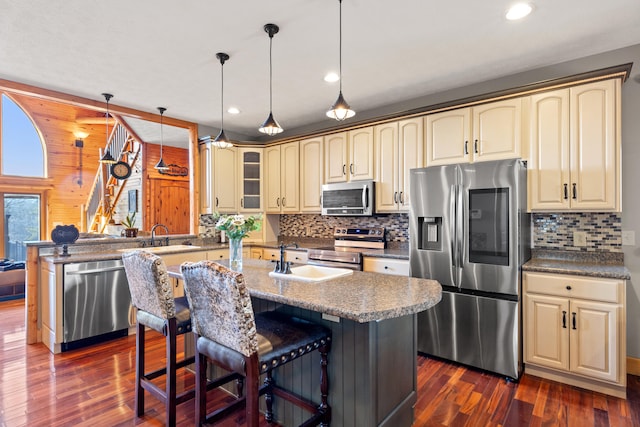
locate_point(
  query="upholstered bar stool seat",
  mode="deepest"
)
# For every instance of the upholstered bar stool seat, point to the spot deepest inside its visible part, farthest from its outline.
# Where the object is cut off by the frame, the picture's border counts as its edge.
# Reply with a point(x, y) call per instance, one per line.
point(157, 309)
point(232, 337)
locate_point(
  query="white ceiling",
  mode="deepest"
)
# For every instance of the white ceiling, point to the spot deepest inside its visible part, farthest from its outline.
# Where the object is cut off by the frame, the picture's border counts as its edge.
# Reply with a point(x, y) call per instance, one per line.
point(151, 53)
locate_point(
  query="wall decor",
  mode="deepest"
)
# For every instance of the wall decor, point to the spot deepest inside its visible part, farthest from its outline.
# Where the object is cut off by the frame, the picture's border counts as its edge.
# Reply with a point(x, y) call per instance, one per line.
point(133, 200)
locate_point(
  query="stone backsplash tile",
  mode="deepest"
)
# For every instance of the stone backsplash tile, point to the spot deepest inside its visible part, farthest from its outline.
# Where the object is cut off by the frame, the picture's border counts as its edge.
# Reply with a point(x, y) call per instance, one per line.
point(555, 231)
point(321, 227)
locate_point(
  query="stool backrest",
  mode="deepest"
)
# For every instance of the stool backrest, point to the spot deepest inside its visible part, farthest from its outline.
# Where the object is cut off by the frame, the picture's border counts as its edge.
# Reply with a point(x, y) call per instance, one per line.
point(220, 305)
point(149, 284)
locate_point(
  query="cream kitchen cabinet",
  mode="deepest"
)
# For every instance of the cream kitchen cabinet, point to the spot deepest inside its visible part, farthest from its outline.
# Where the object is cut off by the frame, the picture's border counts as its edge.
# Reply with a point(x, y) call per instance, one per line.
point(219, 179)
point(491, 131)
point(575, 148)
point(399, 147)
point(250, 179)
point(298, 257)
point(311, 174)
point(282, 183)
point(574, 330)
point(349, 155)
point(397, 267)
point(256, 253)
point(271, 254)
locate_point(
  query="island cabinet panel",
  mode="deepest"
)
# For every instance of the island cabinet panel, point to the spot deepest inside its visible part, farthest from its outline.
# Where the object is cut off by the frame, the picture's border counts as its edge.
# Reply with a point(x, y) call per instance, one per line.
point(371, 383)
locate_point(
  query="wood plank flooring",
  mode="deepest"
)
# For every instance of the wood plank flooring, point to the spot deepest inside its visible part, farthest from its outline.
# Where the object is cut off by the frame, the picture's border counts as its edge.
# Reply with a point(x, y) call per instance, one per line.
point(94, 387)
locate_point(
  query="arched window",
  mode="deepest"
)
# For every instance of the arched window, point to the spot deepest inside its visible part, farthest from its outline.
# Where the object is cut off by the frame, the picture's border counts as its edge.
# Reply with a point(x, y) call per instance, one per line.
point(22, 147)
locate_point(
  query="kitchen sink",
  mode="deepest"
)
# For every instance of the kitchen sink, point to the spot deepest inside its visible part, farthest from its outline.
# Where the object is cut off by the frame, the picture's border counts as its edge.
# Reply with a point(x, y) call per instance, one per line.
point(162, 249)
point(313, 273)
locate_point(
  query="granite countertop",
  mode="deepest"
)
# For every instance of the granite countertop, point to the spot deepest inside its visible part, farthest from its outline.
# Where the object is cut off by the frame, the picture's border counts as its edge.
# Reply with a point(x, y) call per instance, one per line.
point(361, 297)
point(594, 264)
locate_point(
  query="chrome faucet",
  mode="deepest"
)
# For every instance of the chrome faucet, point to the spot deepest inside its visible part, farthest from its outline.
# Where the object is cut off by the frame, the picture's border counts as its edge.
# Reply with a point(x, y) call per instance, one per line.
point(153, 234)
point(283, 266)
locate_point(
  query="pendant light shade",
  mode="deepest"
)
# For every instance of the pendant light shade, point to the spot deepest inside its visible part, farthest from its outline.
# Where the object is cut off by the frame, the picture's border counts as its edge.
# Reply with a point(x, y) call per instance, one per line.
point(107, 158)
point(221, 140)
point(161, 165)
point(340, 110)
point(271, 126)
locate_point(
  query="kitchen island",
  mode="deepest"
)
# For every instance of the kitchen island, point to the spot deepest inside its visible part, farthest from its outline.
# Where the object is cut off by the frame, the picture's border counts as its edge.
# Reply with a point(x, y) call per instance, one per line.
point(372, 363)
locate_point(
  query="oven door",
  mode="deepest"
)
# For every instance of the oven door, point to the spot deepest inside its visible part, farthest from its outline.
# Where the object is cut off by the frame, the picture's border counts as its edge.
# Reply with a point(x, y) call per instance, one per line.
point(325, 263)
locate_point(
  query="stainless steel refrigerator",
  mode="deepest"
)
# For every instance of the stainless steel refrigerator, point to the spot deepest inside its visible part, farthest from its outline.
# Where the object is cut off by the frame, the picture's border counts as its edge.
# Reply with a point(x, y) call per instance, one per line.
point(470, 231)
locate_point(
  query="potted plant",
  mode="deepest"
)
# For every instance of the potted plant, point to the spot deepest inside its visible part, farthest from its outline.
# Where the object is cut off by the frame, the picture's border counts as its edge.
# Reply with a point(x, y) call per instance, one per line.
point(129, 223)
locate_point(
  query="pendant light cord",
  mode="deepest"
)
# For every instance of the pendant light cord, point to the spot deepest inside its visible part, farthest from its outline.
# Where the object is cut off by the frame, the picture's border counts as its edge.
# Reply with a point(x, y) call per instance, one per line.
point(222, 95)
point(270, 73)
point(340, 49)
point(161, 133)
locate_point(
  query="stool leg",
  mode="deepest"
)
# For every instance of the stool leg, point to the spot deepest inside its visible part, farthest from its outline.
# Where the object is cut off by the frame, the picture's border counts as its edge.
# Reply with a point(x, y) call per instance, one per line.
point(240, 387)
point(324, 386)
point(253, 390)
point(268, 397)
point(170, 398)
point(139, 398)
point(201, 387)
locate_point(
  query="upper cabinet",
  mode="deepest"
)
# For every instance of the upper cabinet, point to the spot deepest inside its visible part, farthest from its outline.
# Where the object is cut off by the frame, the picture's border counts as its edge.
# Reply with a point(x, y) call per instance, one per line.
point(225, 179)
point(575, 148)
point(250, 173)
point(311, 174)
point(490, 131)
point(219, 179)
point(282, 178)
point(399, 147)
point(349, 155)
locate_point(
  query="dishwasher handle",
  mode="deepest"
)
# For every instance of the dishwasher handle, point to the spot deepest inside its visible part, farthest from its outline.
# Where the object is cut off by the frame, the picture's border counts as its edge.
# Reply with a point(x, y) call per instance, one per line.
point(94, 271)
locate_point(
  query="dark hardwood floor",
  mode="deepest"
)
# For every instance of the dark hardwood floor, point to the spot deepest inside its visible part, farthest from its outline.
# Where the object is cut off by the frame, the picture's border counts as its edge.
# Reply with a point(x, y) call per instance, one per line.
point(94, 387)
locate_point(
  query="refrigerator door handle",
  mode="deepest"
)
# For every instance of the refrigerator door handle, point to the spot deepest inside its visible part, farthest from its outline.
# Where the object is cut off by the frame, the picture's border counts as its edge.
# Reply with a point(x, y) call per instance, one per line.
point(453, 228)
point(460, 237)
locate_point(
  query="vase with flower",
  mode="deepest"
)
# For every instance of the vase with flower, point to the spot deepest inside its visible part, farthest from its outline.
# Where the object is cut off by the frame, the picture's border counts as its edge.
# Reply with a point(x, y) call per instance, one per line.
point(236, 227)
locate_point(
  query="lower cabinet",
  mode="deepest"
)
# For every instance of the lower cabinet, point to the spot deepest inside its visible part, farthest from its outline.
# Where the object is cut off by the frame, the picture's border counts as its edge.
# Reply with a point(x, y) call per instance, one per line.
point(398, 267)
point(256, 253)
point(296, 257)
point(574, 330)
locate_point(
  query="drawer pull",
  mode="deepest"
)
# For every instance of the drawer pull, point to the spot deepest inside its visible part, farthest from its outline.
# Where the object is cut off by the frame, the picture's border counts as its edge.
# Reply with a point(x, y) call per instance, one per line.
point(566, 192)
point(568, 287)
point(386, 267)
point(573, 320)
point(564, 319)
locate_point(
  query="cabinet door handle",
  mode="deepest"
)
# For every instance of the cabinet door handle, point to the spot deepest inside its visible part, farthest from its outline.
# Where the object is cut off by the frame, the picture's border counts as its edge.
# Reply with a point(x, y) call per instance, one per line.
point(242, 202)
point(401, 198)
point(344, 169)
point(466, 147)
point(283, 202)
point(566, 191)
point(278, 202)
point(573, 320)
point(395, 197)
point(564, 319)
point(475, 146)
point(216, 202)
point(351, 168)
point(574, 191)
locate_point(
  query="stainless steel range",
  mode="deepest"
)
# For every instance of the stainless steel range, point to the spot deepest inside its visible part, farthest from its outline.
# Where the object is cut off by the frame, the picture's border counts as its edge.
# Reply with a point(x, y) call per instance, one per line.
point(348, 246)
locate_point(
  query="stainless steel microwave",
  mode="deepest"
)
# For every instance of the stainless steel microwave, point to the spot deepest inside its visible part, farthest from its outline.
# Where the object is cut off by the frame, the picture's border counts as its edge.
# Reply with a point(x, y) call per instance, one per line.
point(348, 198)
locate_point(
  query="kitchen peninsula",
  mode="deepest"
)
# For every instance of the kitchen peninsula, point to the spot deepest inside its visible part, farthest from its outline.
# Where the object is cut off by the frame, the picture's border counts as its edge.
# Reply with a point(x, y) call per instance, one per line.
point(372, 363)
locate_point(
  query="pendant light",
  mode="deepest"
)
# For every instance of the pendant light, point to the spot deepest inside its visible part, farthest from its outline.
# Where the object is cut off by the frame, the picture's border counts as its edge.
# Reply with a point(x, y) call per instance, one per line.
point(161, 165)
point(107, 158)
point(270, 126)
point(221, 140)
point(340, 110)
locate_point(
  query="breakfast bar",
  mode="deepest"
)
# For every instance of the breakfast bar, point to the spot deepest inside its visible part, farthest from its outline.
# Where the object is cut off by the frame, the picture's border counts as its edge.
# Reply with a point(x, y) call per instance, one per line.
point(372, 363)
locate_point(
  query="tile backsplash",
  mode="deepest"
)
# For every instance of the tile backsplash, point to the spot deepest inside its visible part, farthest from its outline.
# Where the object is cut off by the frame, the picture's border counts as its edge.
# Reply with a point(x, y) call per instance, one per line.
point(318, 226)
point(550, 230)
point(555, 231)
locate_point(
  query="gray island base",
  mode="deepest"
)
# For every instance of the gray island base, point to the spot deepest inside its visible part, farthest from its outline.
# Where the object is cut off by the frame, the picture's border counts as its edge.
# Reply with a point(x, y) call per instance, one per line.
point(372, 363)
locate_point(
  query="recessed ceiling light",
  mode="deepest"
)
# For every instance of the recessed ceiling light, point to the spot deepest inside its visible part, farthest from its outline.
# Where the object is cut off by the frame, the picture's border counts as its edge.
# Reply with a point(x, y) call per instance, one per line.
point(233, 110)
point(518, 11)
point(331, 77)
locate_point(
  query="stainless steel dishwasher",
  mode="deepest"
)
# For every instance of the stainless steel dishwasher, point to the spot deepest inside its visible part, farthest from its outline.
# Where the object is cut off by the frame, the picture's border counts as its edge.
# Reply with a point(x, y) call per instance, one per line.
point(96, 304)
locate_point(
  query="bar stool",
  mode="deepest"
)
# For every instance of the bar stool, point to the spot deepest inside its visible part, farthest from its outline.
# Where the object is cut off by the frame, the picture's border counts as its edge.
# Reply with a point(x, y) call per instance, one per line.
point(234, 338)
point(152, 295)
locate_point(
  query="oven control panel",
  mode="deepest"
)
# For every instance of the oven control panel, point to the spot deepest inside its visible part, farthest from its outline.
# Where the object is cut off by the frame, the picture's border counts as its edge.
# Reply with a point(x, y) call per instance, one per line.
point(359, 233)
